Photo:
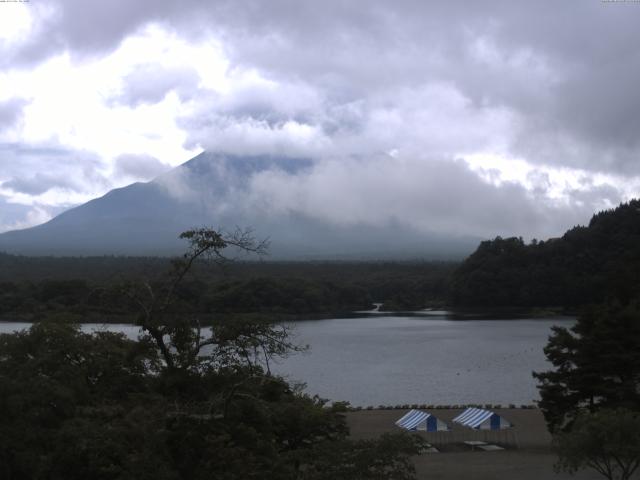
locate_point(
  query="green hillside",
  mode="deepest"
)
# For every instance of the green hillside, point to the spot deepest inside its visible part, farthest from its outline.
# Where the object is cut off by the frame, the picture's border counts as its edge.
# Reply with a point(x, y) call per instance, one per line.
point(586, 265)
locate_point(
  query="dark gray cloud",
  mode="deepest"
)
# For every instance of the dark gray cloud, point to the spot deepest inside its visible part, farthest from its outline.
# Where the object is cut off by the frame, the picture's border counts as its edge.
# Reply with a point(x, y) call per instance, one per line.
point(150, 83)
point(139, 167)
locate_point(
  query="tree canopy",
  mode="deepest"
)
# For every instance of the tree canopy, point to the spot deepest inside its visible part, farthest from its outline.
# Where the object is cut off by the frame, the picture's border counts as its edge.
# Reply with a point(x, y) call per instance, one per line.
point(586, 265)
point(179, 402)
point(35, 288)
point(596, 364)
point(607, 441)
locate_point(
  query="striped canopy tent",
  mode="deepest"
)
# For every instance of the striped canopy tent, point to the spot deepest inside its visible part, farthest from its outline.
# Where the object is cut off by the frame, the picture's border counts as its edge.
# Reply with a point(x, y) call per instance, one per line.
point(480, 419)
point(419, 420)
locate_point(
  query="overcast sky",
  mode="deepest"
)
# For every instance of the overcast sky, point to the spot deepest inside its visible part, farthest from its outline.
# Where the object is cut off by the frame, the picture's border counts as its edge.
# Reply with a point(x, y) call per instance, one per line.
point(475, 118)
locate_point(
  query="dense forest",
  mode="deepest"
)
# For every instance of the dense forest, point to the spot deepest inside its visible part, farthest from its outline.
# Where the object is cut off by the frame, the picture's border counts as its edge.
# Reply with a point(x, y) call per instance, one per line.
point(586, 265)
point(90, 287)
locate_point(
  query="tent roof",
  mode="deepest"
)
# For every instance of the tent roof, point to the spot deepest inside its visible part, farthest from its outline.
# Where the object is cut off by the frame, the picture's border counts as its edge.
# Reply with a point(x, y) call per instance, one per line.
point(419, 420)
point(412, 419)
point(474, 417)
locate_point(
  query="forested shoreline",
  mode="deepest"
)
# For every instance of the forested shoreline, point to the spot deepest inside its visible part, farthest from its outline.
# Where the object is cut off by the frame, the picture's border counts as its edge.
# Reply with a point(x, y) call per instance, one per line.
point(587, 265)
point(91, 288)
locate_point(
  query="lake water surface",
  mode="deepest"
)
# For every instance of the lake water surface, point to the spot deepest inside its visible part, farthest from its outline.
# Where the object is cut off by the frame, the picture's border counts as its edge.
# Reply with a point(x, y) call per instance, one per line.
point(388, 360)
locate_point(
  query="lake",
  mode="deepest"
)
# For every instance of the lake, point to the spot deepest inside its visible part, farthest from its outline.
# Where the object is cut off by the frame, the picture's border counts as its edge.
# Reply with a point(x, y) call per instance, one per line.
point(389, 360)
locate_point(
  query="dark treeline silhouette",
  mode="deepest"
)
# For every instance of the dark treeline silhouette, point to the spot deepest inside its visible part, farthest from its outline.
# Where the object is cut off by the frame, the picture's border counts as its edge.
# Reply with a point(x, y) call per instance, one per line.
point(36, 287)
point(586, 265)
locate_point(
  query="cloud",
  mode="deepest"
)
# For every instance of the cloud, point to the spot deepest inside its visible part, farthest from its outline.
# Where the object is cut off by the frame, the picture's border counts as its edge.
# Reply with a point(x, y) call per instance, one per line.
point(11, 112)
point(563, 72)
point(138, 167)
point(428, 195)
point(40, 183)
point(14, 216)
point(293, 120)
point(150, 83)
point(382, 92)
point(11, 213)
point(62, 175)
point(256, 137)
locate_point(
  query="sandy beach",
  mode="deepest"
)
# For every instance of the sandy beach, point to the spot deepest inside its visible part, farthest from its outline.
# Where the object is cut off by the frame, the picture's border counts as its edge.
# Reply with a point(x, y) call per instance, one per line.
point(527, 454)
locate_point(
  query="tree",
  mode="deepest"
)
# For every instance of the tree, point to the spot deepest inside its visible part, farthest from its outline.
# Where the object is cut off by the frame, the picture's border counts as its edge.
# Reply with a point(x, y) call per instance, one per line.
point(179, 336)
point(596, 365)
point(181, 402)
point(587, 264)
point(607, 441)
point(388, 458)
point(57, 383)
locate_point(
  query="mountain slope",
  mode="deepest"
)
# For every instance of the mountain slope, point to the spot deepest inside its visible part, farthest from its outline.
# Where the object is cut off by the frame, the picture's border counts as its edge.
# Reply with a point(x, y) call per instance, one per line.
point(213, 190)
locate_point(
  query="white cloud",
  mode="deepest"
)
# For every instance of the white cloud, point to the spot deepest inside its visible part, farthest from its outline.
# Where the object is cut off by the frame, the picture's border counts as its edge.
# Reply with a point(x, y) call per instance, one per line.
point(138, 167)
point(429, 195)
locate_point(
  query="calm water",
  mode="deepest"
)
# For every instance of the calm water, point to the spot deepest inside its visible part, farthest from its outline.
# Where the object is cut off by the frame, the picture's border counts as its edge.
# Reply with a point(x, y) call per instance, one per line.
point(388, 360)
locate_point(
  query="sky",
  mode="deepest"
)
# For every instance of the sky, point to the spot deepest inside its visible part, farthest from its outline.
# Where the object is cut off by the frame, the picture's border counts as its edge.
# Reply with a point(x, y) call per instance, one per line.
point(475, 118)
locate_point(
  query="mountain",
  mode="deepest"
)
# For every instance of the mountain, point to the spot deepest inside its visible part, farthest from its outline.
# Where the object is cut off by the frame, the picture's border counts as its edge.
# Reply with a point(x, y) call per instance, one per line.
point(213, 190)
point(588, 264)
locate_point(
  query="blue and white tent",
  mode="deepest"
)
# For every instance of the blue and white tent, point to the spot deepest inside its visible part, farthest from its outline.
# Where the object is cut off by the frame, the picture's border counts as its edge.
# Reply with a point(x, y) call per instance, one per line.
point(419, 420)
point(481, 419)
